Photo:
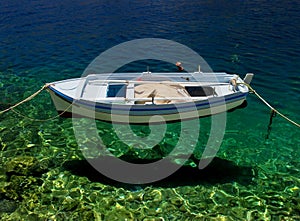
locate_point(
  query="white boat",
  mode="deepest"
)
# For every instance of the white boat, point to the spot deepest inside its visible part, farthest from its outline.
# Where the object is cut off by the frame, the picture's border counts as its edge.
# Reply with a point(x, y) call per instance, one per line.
point(142, 98)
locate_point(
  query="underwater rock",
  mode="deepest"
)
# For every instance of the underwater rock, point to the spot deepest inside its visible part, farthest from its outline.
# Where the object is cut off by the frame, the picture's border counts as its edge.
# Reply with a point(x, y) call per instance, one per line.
point(3, 186)
point(3, 176)
point(153, 196)
point(230, 189)
point(21, 187)
point(69, 203)
point(8, 206)
point(118, 213)
point(83, 214)
point(26, 165)
point(176, 201)
point(238, 212)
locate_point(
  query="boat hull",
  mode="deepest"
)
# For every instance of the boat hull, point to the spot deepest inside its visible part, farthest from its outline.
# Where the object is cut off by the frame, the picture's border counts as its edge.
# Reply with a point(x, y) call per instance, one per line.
point(144, 114)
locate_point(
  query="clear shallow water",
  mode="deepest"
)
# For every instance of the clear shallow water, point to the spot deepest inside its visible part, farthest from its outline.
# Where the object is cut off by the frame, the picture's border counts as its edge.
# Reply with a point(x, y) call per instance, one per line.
point(252, 178)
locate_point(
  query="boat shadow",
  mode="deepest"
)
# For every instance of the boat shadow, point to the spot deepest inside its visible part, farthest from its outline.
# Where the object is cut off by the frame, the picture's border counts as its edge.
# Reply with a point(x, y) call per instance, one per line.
point(219, 171)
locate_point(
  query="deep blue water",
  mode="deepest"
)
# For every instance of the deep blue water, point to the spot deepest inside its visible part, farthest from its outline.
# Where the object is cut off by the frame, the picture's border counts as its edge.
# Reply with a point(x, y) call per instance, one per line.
point(43, 41)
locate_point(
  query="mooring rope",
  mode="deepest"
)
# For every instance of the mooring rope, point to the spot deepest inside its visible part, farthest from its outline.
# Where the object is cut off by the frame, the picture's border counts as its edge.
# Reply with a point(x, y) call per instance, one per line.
point(12, 108)
point(25, 100)
point(42, 120)
point(272, 108)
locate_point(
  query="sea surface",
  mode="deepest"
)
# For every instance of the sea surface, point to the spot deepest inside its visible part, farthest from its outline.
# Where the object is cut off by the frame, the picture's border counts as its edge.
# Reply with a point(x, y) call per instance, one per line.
point(256, 172)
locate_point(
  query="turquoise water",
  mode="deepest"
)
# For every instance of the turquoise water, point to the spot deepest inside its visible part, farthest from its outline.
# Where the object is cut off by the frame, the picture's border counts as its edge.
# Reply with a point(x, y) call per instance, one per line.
point(43, 173)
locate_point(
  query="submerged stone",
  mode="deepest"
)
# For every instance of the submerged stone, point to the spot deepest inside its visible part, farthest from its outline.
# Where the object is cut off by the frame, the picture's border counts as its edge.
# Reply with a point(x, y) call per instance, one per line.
point(20, 187)
point(8, 206)
point(26, 165)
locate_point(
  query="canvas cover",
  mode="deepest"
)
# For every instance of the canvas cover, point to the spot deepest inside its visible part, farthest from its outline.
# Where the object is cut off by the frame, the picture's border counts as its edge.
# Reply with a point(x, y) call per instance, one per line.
point(160, 90)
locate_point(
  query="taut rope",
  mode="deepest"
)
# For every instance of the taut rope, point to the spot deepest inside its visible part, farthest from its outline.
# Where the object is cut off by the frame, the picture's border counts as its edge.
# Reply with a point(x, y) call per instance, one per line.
point(42, 120)
point(25, 100)
point(28, 99)
point(272, 108)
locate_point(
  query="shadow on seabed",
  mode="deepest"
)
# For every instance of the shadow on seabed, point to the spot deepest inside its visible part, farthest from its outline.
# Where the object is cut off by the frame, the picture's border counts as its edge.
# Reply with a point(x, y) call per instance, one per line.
point(217, 172)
